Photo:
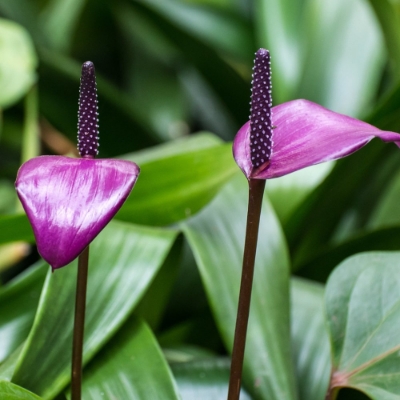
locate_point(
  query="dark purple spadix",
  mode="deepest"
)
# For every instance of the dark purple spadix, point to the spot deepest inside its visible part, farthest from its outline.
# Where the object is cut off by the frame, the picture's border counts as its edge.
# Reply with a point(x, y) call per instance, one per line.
point(88, 128)
point(260, 112)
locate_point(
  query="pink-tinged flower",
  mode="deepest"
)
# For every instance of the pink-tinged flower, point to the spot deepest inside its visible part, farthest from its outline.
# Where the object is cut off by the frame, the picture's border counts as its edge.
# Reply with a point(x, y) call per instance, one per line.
point(69, 201)
point(294, 135)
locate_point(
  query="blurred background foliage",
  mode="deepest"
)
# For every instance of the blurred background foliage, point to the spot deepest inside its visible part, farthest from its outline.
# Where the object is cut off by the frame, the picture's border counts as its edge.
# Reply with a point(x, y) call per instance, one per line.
point(169, 69)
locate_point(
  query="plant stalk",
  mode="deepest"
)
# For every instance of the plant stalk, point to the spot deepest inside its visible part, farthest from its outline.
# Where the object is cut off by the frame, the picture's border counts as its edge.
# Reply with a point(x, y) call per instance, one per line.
point(79, 325)
point(256, 192)
point(331, 394)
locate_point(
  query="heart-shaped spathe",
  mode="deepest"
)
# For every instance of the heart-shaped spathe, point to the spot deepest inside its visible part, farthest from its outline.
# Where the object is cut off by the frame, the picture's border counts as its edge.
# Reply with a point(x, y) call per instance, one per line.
point(69, 201)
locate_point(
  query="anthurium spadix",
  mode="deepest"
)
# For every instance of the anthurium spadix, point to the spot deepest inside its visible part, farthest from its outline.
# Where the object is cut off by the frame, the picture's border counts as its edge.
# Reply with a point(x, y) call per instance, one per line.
point(70, 200)
point(275, 142)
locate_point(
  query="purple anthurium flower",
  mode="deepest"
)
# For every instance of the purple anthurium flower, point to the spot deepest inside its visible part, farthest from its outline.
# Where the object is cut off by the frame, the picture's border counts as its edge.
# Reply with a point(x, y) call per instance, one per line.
point(69, 201)
point(294, 135)
point(275, 142)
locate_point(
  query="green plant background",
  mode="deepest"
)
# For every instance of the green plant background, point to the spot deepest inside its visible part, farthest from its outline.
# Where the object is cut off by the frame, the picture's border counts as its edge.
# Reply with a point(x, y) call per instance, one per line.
point(174, 85)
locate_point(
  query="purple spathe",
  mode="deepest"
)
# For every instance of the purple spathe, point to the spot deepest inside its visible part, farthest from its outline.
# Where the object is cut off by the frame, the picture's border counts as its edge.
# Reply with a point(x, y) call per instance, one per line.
point(69, 201)
point(306, 134)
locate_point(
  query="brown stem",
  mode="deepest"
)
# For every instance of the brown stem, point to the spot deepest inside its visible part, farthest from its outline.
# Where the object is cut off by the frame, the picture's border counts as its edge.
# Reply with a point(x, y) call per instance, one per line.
point(79, 325)
point(331, 393)
point(336, 381)
point(256, 192)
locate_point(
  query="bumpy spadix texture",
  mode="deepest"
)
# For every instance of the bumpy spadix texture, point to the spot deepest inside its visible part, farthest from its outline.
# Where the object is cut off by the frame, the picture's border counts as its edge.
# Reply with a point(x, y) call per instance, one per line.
point(88, 128)
point(69, 201)
point(303, 133)
point(260, 117)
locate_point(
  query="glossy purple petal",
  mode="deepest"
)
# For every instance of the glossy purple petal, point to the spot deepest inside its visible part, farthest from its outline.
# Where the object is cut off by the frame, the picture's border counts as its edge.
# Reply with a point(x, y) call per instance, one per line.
point(305, 134)
point(69, 201)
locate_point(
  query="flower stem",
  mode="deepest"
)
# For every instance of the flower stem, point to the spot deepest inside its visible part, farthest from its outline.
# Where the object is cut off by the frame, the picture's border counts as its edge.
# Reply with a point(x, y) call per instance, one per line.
point(256, 192)
point(79, 325)
point(331, 394)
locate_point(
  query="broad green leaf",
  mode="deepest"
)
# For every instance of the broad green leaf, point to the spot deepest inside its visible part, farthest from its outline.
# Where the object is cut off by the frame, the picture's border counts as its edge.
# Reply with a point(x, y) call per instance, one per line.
point(188, 144)
point(344, 78)
point(388, 13)
point(208, 105)
point(363, 311)
point(124, 259)
point(287, 192)
point(326, 259)
point(9, 391)
point(344, 201)
point(146, 75)
point(58, 21)
point(211, 112)
point(222, 30)
point(18, 303)
point(152, 306)
point(216, 236)
point(310, 341)
point(230, 87)
point(14, 228)
point(132, 366)
point(8, 197)
point(7, 368)
point(188, 306)
point(385, 114)
point(387, 212)
point(204, 379)
point(182, 353)
point(278, 28)
point(173, 188)
point(17, 63)
point(24, 12)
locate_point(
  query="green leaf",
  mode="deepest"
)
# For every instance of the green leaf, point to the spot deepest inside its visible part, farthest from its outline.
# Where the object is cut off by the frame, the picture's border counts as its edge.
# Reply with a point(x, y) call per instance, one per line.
point(363, 311)
point(152, 306)
point(8, 197)
point(230, 87)
point(172, 188)
point(385, 114)
point(9, 391)
point(187, 144)
point(387, 212)
point(222, 30)
point(216, 236)
point(17, 63)
point(14, 228)
point(18, 303)
point(388, 13)
point(123, 261)
point(58, 22)
point(7, 368)
point(287, 192)
point(24, 12)
point(345, 78)
point(132, 366)
point(324, 261)
point(310, 341)
point(343, 201)
point(278, 24)
point(204, 379)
